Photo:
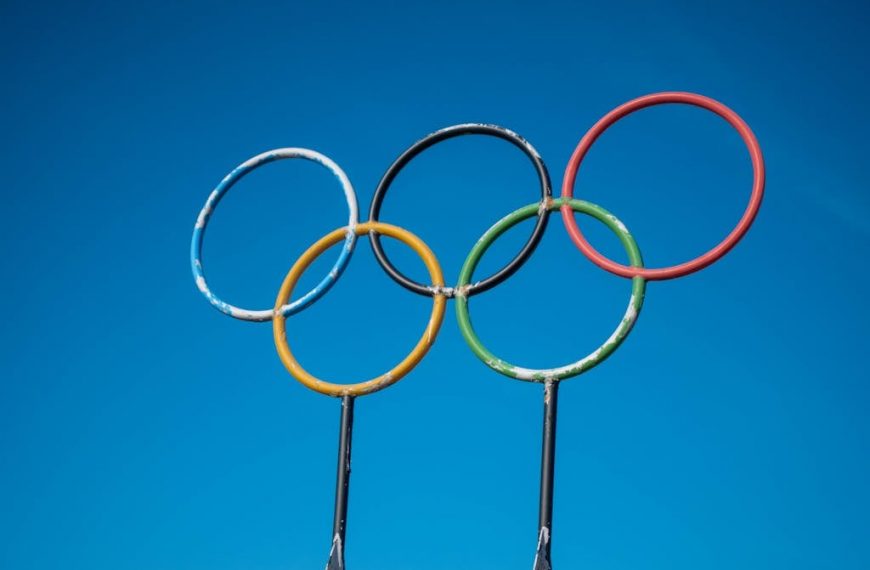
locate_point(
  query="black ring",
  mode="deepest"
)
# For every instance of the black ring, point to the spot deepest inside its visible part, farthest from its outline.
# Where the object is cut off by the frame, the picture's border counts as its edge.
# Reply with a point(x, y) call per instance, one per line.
point(420, 146)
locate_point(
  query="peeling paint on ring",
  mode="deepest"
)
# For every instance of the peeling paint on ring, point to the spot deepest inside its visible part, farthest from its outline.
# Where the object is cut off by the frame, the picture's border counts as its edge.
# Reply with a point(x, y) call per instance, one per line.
point(220, 191)
point(587, 362)
point(439, 302)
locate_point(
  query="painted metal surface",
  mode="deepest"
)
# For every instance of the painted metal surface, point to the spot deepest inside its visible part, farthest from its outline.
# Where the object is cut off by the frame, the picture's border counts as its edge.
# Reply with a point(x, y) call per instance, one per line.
point(635, 302)
point(342, 485)
point(466, 286)
point(400, 370)
point(220, 191)
point(427, 142)
point(548, 471)
point(703, 260)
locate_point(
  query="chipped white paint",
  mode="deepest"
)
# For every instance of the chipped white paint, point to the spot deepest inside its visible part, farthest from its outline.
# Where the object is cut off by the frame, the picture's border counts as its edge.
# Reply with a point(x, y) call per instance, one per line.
point(336, 554)
point(617, 222)
point(205, 213)
point(448, 292)
point(543, 540)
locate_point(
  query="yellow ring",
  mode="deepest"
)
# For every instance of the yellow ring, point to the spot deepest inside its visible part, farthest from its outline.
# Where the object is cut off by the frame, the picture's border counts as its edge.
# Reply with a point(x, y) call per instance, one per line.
point(279, 329)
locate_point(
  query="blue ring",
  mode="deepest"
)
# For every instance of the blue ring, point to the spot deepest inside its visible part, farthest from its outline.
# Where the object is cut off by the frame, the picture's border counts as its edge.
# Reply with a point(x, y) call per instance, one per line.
point(215, 197)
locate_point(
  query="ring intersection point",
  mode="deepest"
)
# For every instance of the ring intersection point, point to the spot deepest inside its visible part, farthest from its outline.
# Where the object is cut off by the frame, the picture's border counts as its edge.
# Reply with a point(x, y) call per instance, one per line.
point(635, 302)
point(410, 361)
point(215, 197)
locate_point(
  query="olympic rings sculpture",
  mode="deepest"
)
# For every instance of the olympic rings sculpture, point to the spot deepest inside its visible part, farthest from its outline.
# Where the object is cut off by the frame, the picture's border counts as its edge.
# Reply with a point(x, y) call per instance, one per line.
point(467, 286)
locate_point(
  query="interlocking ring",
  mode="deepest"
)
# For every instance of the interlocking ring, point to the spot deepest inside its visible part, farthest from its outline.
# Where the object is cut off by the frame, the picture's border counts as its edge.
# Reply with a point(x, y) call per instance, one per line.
point(635, 302)
point(215, 197)
point(401, 369)
point(703, 260)
point(423, 144)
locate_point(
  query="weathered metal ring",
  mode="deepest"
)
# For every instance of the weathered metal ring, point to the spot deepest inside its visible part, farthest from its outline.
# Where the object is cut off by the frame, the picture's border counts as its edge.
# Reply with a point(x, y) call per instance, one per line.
point(703, 260)
point(409, 362)
point(635, 302)
point(430, 140)
point(215, 197)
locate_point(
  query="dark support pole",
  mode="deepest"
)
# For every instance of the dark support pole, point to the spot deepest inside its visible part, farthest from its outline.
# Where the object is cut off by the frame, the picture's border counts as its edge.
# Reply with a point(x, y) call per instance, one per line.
point(548, 463)
point(342, 483)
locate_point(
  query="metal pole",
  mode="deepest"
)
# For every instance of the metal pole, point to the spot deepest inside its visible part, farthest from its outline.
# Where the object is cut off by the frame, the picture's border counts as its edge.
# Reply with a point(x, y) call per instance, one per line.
point(548, 463)
point(342, 483)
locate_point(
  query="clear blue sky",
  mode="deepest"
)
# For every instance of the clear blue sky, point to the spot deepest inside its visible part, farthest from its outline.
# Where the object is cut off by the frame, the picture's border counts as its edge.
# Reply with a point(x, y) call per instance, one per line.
point(140, 429)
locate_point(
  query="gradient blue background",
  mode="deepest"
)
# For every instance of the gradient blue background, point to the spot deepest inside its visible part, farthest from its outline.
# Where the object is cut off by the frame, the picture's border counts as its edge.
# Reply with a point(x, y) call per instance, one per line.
point(141, 429)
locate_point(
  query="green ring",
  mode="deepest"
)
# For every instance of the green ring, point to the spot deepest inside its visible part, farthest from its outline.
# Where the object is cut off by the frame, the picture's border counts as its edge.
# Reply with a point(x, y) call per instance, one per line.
point(638, 288)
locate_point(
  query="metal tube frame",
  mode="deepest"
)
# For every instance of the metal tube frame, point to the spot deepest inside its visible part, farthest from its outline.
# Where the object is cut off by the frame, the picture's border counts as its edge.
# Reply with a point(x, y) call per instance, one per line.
point(548, 464)
point(342, 485)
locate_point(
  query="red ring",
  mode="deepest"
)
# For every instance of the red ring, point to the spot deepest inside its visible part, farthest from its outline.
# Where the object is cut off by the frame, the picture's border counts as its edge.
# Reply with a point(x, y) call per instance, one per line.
point(699, 262)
